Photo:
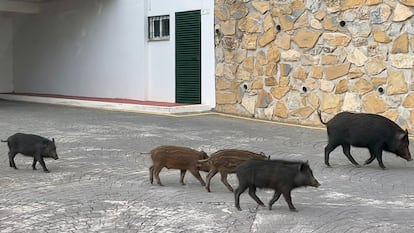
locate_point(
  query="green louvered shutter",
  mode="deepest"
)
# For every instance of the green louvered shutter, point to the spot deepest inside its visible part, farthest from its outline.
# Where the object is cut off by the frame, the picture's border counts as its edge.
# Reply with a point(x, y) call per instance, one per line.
point(188, 57)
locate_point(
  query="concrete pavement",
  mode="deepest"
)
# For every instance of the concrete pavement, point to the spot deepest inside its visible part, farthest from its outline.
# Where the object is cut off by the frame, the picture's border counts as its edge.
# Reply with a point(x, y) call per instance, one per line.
point(100, 183)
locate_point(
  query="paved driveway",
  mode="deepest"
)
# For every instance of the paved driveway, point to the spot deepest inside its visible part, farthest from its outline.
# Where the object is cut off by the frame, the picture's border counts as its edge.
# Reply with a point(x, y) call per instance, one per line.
point(100, 183)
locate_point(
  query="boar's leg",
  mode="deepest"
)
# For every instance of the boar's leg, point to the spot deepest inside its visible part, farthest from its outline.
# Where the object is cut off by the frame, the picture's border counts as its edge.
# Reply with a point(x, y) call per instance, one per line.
point(328, 149)
point(210, 175)
point(288, 199)
point(237, 194)
point(151, 174)
point(371, 158)
point(182, 174)
point(347, 151)
point(252, 193)
point(11, 159)
point(225, 182)
point(274, 199)
point(42, 162)
point(379, 158)
point(34, 163)
point(157, 171)
point(196, 174)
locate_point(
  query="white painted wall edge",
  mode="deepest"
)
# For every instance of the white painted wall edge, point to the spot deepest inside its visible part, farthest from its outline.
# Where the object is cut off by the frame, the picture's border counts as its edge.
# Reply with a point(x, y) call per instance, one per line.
point(108, 105)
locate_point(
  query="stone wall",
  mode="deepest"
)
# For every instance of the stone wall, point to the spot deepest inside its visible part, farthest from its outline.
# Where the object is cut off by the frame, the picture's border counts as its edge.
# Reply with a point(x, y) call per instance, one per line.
point(283, 60)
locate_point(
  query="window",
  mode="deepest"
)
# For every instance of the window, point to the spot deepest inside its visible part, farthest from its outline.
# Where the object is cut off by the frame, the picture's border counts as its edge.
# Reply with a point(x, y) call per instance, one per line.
point(159, 27)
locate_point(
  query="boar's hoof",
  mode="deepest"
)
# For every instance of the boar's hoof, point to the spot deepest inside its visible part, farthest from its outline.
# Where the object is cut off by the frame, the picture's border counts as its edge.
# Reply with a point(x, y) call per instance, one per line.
point(47, 171)
point(238, 208)
point(293, 210)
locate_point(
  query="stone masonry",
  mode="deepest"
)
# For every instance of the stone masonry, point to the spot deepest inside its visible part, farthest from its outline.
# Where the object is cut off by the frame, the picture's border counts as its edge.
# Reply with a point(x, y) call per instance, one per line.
point(283, 60)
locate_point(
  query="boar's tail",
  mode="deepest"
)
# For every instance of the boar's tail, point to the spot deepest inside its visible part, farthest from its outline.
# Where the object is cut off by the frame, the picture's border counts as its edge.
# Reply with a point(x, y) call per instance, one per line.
point(320, 117)
point(3, 140)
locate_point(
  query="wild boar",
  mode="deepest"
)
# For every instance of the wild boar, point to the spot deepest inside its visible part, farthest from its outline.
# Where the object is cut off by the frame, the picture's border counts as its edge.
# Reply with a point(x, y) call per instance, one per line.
point(176, 157)
point(32, 145)
point(280, 175)
point(226, 162)
point(375, 132)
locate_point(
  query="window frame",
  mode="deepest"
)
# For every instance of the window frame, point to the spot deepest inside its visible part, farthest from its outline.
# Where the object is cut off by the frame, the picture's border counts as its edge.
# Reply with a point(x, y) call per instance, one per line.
point(158, 20)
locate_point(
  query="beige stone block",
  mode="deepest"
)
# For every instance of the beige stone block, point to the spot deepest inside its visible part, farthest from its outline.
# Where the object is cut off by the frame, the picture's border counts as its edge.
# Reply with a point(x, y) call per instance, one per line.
point(380, 36)
point(243, 75)
point(401, 13)
point(317, 72)
point(409, 101)
point(349, 4)
point(249, 103)
point(228, 28)
point(263, 99)
point(238, 10)
point(375, 65)
point(331, 103)
point(313, 99)
point(290, 55)
point(257, 84)
point(320, 15)
point(300, 73)
point(302, 113)
point(270, 81)
point(240, 55)
point(259, 70)
point(261, 6)
point(378, 81)
point(305, 38)
point(329, 60)
point(281, 110)
point(335, 39)
point(273, 54)
point(222, 84)
point(355, 73)
point(268, 22)
point(286, 22)
point(352, 102)
point(396, 83)
point(357, 57)
point(316, 24)
point(267, 37)
point(225, 97)
point(283, 42)
point(362, 86)
point(334, 72)
point(400, 44)
point(402, 60)
point(221, 12)
point(249, 41)
point(284, 81)
point(236, 109)
point(412, 43)
point(407, 2)
point(311, 84)
point(329, 24)
point(279, 92)
point(248, 64)
point(373, 2)
point(302, 21)
point(219, 70)
point(373, 103)
point(342, 86)
point(229, 71)
point(391, 114)
point(326, 86)
point(261, 58)
point(271, 69)
point(251, 23)
point(228, 55)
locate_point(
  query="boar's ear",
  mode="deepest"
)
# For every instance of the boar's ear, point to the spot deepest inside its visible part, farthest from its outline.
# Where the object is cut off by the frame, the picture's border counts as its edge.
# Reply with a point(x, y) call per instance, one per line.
point(401, 136)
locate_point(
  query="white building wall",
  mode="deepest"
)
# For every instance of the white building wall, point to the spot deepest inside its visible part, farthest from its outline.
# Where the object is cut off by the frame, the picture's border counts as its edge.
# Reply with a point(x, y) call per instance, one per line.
point(83, 48)
point(6, 54)
point(161, 54)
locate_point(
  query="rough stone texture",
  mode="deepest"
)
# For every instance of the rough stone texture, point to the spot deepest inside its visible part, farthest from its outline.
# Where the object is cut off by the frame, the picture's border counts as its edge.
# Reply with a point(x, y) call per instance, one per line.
point(409, 101)
point(223, 97)
point(281, 110)
point(373, 103)
point(305, 38)
point(304, 112)
point(334, 72)
point(396, 83)
point(298, 44)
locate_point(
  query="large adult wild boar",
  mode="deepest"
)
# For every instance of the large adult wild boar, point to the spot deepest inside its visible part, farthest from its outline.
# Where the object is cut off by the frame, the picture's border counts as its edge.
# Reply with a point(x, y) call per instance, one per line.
point(176, 157)
point(32, 145)
point(375, 132)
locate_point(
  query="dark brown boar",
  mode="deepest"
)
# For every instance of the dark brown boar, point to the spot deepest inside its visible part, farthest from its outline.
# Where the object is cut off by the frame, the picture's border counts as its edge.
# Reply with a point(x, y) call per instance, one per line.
point(226, 162)
point(280, 175)
point(375, 132)
point(177, 157)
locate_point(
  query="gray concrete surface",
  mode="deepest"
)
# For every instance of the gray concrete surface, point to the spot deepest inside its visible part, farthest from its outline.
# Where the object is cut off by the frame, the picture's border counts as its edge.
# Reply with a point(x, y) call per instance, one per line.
point(100, 183)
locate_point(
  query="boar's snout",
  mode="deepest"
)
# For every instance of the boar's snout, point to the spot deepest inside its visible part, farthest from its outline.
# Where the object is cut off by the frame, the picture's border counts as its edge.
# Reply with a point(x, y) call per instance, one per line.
point(315, 183)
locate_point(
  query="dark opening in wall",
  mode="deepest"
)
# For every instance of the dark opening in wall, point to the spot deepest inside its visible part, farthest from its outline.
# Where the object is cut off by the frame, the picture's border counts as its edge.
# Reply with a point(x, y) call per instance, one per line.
point(245, 86)
point(304, 89)
point(342, 23)
point(381, 90)
point(278, 28)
